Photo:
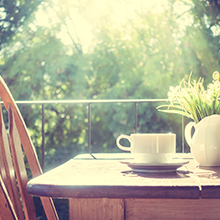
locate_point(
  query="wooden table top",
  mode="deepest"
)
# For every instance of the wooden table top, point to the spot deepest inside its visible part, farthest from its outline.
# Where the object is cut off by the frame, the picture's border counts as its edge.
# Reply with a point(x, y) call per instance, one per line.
point(98, 178)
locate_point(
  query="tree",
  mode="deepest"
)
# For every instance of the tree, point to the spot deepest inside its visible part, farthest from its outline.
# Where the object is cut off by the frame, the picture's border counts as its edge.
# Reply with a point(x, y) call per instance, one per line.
point(14, 13)
point(138, 58)
point(200, 44)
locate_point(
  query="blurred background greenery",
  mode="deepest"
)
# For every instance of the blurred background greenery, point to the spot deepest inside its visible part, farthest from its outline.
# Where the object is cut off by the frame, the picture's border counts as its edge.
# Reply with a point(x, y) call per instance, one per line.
point(102, 49)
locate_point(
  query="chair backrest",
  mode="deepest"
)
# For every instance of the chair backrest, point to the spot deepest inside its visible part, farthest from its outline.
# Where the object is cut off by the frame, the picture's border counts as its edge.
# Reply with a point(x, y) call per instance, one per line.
point(12, 166)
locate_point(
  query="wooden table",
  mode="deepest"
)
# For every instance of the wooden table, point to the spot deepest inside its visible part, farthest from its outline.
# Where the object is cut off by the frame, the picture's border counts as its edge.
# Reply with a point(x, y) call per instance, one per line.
point(107, 189)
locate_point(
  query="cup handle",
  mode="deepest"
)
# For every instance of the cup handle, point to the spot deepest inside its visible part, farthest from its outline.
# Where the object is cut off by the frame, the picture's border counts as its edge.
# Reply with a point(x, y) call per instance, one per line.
point(119, 145)
point(188, 130)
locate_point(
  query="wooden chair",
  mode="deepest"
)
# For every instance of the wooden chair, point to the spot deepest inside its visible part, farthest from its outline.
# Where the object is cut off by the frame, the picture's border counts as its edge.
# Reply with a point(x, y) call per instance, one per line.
point(13, 176)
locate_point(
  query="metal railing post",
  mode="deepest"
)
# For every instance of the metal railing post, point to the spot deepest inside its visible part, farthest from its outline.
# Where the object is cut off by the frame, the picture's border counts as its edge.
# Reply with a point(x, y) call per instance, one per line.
point(89, 130)
point(136, 117)
point(89, 127)
point(183, 134)
point(43, 138)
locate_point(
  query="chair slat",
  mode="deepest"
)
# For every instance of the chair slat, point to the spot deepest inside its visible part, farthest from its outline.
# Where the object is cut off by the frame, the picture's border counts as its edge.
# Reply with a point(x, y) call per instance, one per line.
point(7, 170)
point(20, 168)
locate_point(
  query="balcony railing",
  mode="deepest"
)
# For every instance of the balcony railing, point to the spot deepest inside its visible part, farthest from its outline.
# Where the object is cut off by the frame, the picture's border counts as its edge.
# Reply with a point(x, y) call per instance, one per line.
point(89, 103)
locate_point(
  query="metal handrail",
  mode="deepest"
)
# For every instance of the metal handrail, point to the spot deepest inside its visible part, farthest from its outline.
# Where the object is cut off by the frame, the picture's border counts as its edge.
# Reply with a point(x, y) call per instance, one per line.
point(90, 101)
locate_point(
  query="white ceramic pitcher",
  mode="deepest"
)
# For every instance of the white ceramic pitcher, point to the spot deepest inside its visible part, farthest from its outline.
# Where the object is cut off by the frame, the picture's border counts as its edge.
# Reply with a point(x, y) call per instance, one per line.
point(205, 142)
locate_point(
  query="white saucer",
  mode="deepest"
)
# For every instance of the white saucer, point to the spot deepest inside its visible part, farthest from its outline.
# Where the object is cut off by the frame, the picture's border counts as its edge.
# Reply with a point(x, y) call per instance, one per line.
point(170, 166)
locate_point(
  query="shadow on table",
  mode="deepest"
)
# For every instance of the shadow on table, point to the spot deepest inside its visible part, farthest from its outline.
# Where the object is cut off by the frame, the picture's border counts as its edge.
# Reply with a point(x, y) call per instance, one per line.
point(160, 175)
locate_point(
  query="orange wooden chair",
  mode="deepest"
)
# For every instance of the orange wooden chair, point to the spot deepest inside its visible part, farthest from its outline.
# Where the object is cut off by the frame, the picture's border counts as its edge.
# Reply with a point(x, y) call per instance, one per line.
point(13, 176)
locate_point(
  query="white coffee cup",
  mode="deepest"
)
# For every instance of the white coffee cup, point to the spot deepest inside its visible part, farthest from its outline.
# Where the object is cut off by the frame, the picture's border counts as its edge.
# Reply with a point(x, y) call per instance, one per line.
point(150, 147)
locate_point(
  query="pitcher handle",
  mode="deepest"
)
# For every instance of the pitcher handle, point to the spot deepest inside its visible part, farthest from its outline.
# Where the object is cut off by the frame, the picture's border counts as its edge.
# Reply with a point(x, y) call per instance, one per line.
point(188, 130)
point(125, 137)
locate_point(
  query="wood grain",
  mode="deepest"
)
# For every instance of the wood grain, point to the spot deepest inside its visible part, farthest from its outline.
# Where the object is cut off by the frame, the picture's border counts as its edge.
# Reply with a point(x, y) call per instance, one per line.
point(144, 209)
point(111, 179)
point(7, 211)
point(96, 209)
point(208, 179)
point(20, 168)
point(172, 209)
point(7, 170)
point(179, 195)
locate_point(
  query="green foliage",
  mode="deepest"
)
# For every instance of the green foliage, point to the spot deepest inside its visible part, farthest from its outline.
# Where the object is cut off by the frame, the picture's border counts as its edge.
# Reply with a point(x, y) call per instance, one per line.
point(13, 14)
point(139, 58)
